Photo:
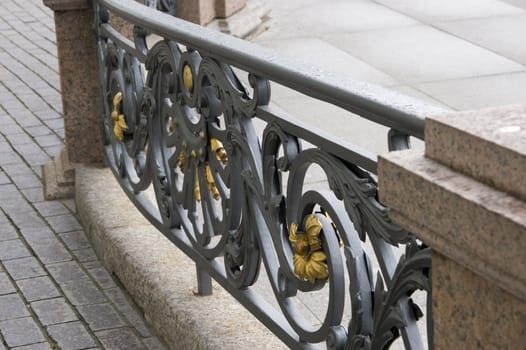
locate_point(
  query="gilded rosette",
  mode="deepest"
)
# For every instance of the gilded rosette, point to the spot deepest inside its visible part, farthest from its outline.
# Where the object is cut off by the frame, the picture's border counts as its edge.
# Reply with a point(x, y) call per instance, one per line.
point(119, 120)
point(310, 261)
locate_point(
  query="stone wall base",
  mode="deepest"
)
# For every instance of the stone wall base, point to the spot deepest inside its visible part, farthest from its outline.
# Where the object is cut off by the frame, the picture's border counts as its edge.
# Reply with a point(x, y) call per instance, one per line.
point(59, 177)
point(158, 276)
point(471, 312)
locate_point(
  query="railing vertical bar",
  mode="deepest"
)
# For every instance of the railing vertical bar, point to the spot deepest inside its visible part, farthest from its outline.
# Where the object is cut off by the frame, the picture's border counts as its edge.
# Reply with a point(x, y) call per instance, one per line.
point(204, 282)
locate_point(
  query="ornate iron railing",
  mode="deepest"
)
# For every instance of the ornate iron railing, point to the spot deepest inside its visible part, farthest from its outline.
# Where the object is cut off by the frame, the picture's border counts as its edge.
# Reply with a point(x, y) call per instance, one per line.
point(179, 123)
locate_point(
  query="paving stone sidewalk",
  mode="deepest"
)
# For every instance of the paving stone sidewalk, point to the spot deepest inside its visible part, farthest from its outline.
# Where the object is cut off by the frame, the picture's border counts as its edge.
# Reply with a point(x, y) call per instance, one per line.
point(54, 293)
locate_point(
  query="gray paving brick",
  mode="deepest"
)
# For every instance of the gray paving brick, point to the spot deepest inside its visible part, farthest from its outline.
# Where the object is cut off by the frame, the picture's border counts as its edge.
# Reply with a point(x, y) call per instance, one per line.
point(24, 268)
point(10, 129)
point(7, 231)
point(121, 338)
point(64, 223)
point(53, 311)
point(83, 292)
point(75, 240)
point(48, 114)
point(27, 218)
point(17, 169)
point(101, 316)
point(136, 319)
point(38, 171)
point(38, 288)
point(4, 179)
point(48, 140)
point(102, 277)
point(71, 336)
point(38, 130)
point(9, 158)
point(21, 331)
point(130, 311)
point(12, 306)
point(53, 151)
point(38, 346)
point(29, 149)
point(3, 218)
point(118, 297)
point(6, 287)
point(92, 264)
point(29, 120)
point(70, 204)
point(27, 181)
point(34, 195)
point(57, 123)
point(66, 272)
point(50, 250)
point(85, 255)
point(19, 139)
point(153, 344)
point(51, 208)
point(40, 158)
point(37, 234)
point(13, 249)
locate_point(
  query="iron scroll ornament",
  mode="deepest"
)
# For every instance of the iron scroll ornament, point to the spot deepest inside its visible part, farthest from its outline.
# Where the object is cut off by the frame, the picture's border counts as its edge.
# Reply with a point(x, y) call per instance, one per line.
point(182, 123)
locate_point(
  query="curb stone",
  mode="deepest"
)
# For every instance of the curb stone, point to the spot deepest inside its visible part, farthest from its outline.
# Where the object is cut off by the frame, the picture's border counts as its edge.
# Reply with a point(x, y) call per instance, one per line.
point(158, 276)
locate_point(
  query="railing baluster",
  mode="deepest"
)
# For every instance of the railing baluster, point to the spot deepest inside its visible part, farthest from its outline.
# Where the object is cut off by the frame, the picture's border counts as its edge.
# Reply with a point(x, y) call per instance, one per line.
point(204, 282)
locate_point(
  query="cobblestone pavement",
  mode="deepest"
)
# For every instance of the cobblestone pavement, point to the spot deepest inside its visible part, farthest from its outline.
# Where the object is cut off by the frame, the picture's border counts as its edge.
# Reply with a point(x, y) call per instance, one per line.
point(54, 293)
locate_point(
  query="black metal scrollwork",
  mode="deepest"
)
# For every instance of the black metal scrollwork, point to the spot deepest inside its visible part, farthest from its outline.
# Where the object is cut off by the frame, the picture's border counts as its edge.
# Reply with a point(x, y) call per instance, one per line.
point(181, 124)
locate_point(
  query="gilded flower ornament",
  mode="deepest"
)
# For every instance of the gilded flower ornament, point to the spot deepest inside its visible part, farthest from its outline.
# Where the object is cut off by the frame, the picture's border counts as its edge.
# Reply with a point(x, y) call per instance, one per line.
point(120, 125)
point(310, 261)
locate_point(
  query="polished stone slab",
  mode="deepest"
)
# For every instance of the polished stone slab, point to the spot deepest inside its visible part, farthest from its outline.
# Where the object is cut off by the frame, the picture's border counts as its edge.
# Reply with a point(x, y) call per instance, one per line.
point(319, 53)
point(450, 10)
point(479, 92)
point(319, 18)
point(421, 53)
point(503, 35)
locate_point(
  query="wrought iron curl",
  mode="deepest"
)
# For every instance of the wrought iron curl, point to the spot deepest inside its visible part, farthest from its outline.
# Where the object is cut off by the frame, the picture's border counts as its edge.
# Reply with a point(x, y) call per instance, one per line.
point(190, 134)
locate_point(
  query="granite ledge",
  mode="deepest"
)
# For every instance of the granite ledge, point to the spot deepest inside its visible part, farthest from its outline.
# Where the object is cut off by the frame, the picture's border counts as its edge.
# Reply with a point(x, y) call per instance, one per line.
point(470, 222)
point(488, 145)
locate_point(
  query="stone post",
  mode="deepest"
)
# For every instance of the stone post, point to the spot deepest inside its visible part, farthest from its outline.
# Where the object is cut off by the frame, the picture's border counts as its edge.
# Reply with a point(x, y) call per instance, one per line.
point(465, 197)
point(204, 11)
point(77, 55)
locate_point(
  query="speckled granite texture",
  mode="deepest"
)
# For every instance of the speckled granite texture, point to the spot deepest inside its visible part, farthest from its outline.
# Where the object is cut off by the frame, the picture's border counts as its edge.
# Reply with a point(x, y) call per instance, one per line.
point(79, 85)
point(159, 277)
point(472, 313)
point(456, 198)
point(470, 222)
point(472, 143)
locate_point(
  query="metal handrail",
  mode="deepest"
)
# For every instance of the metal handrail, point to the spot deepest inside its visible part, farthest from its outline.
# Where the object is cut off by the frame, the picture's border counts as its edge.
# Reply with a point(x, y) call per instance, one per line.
point(380, 105)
